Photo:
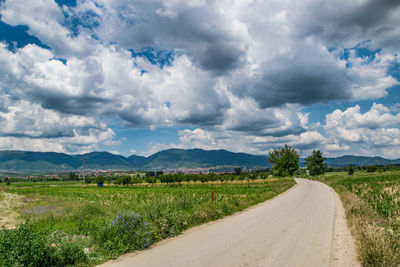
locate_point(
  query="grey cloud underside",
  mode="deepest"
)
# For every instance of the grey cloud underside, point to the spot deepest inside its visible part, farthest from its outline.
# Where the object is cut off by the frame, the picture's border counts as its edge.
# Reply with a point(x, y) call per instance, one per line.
point(265, 127)
point(52, 134)
point(374, 20)
point(221, 57)
point(132, 119)
point(82, 105)
point(196, 31)
point(373, 12)
point(274, 132)
point(207, 119)
point(306, 78)
point(279, 141)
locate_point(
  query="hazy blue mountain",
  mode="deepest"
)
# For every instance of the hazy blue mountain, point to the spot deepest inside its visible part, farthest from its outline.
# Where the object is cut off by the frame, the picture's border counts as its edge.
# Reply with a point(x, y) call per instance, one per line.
point(137, 161)
point(42, 162)
point(25, 161)
point(360, 161)
point(50, 157)
point(105, 160)
point(194, 158)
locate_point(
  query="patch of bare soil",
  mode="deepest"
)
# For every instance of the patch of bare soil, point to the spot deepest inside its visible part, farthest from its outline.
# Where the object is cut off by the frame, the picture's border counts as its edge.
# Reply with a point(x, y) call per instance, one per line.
point(8, 205)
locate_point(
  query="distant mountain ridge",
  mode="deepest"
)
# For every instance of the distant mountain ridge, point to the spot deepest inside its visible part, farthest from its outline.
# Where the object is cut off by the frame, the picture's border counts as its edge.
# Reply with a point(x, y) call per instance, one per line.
point(359, 161)
point(41, 162)
point(44, 162)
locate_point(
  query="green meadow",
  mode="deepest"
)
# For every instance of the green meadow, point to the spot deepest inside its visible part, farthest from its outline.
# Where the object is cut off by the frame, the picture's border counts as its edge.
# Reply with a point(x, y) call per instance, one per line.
point(71, 224)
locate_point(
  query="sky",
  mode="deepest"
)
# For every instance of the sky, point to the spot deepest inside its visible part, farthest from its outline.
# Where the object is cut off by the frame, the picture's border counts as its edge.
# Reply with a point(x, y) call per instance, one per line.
point(136, 77)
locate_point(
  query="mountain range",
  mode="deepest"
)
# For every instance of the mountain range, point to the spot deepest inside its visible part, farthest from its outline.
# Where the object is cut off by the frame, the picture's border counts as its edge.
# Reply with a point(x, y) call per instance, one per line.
point(46, 162)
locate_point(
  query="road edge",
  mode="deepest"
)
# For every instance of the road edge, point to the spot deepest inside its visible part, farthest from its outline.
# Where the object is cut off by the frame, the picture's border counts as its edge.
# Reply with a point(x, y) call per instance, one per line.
point(192, 229)
point(343, 252)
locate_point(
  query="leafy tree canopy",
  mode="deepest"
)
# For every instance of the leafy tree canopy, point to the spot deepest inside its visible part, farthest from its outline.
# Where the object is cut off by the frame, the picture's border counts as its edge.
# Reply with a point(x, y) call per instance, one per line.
point(286, 161)
point(351, 169)
point(315, 163)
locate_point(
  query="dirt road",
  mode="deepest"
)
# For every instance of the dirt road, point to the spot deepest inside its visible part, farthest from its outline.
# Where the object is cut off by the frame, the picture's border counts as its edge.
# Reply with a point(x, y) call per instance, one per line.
point(298, 228)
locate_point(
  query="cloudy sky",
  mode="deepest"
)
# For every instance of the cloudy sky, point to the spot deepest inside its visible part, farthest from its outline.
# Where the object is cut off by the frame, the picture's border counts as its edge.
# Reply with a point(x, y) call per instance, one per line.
point(139, 76)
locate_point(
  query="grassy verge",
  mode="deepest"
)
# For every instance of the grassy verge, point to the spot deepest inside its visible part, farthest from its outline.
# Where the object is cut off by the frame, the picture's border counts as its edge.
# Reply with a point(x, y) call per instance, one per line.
point(104, 222)
point(372, 204)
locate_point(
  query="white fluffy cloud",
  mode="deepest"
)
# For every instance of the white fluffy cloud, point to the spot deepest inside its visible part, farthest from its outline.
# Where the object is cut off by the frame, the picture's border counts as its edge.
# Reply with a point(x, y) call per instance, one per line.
point(45, 20)
point(28, 126)
point(375, 131)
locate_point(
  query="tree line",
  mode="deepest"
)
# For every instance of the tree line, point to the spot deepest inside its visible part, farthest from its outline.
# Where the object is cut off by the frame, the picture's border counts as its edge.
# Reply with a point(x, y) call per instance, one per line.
point(286, 162)
point(179, 178)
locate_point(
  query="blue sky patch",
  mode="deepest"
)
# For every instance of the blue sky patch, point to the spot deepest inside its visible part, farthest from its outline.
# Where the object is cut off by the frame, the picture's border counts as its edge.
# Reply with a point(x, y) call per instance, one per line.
point(17, 36)
point(361, 50)
point(155, 56)
point(76, 21)
point(71, 3)
point(63, 60)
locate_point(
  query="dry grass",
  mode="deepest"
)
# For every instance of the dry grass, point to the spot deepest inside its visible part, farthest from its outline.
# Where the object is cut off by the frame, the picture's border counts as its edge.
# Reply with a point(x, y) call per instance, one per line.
point(8, 205)
point(372, 205)
point(377, 245)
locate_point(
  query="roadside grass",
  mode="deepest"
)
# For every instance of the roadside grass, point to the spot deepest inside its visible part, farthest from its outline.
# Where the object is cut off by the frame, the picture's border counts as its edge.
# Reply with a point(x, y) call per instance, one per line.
point(372, 204)
point(108, 221)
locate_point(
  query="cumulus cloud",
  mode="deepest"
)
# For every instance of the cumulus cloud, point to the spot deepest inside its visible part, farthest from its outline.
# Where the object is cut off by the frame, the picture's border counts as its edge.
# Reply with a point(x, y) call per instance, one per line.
point(198, 30)
point(111, 84)
point(351, 22)
point(378, 117)
point(45, 20)
point(373, 131)
point(237, 72)
point(244, 116)
point(369, 76)
point(308, 75)
point(28, 126)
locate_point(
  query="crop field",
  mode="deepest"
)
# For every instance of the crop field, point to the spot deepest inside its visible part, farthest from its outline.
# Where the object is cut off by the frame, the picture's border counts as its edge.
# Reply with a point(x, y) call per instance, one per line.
point(372, 203)
point(67, 223)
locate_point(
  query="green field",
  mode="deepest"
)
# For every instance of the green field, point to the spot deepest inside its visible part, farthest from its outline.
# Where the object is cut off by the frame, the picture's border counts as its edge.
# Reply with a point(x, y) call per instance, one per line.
point(108, 221)
point(372, 203)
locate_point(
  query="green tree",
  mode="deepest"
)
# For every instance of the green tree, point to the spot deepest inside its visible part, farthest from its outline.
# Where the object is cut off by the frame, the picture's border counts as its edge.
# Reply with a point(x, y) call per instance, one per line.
point(150, 174)
point(151, 180)
point(238, 171)
point(351, 170)
point(72, 176)
point(99, 179)
point(138, 180)
point(371, 168)
point(315, 163)
point(253, 176)
point(286, 161)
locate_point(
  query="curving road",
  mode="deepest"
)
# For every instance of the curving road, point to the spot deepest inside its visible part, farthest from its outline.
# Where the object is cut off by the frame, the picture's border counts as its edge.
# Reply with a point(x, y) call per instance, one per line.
point(293, 229)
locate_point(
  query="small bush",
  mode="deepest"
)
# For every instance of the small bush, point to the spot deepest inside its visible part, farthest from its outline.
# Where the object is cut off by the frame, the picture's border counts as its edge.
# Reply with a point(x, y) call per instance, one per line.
point(371, 168)
point(350, 170)
point(172, 223)
point(25, 246)
point(127, 231)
